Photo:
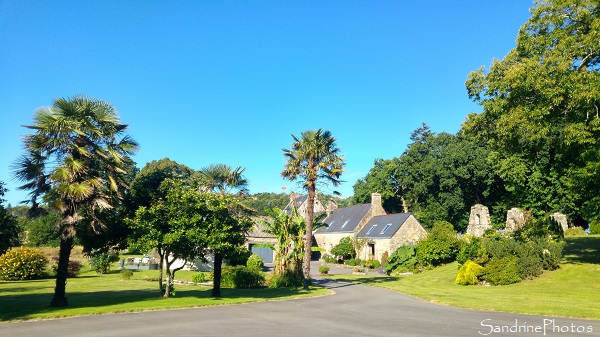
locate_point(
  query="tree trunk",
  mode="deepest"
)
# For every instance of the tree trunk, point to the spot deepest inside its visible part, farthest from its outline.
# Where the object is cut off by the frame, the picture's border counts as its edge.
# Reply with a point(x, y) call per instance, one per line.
point(59, 299)
point(310, 211)
point(167, 286)
point(216, 290)
point(404, 206)
point(160, 271)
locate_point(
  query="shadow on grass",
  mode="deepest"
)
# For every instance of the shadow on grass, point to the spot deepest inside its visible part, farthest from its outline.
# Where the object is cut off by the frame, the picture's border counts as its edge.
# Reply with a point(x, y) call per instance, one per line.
point(584, 249)
point(367, 279)
point(25, 306)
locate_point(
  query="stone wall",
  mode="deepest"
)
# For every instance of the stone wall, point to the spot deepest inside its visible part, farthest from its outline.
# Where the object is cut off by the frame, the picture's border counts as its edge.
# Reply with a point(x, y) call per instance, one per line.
point(327, 241)
point(479, 220)
point(409, 233)
point(515, 219)
point(562, 220)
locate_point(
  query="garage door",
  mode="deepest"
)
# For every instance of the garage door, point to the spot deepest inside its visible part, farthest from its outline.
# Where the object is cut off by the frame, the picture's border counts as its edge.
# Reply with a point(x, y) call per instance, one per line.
point(265, 253)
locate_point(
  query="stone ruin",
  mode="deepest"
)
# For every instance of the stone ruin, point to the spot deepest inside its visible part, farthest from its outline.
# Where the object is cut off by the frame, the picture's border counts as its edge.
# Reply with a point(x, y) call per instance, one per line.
point(479, 220)
point(561, 219)
point(515, 219)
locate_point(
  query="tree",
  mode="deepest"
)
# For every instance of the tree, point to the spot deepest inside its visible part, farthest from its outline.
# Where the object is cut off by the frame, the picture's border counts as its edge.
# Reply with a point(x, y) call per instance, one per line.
point(312, 158)
point(541, 110)
point(288, 230)
point(9, 227)
point(176, 226)
point(229, 218)
point(75, 160)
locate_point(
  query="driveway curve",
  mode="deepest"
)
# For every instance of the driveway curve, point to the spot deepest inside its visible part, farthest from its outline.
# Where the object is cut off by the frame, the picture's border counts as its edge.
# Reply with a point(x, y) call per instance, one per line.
point(353, 310)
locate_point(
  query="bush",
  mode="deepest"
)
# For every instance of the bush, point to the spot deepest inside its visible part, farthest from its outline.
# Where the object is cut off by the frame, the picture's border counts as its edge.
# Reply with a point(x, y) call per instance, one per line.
point(502, 271)
point(440, 246)
point(255, 262)
point(287, 279)
point(353, 262)
point(101, 261)
point(469, 250)
point(73, 267)
point(372, 264)
point(575, 231)
point(44, 231)
point(126, 274)
point(201, 277)
point(469, 273)
point(329, 259)
point(241, 277)
point(595, 227)
point(238, 257)
point(23, 264)
point(324, 270)
point(345, 249)
point(404, 259)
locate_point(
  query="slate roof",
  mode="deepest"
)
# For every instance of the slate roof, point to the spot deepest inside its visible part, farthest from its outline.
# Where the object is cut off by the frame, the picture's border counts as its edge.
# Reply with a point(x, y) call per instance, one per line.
point(345, 220)
point(298, 201)
point(395, 221)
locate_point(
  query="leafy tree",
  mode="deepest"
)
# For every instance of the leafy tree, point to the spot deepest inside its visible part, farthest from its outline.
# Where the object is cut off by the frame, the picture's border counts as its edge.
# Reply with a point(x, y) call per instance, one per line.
point(312, 158)
point(9, 227)
point(541, 110)
point(175, 226)
point(344, 248)
point(440, 246)
point(75, 160)
point(44, 230)
point(260, 202)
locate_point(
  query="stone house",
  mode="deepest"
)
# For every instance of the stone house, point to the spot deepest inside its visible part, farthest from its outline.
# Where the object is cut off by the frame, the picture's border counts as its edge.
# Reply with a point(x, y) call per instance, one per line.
point(300, 201)
point(385, 233)
point(356, 221)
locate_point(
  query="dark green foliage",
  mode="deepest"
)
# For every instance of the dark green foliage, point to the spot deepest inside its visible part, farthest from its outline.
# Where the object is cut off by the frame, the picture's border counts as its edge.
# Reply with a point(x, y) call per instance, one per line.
point(440, 246)
point(241, 277)
point(344, 249)
point(22, 264)
point(404, 259)
point(353, 262)
point(287, 279)
point(44, 231)
point(261, 201)
point(238, 256)
point(9, 227)
point(469, 250)
point(329, 259)
point(595, 227)
point(101, 261)
point(255, 262)
point(469, 273)
point(502, 271)
point(73, 268)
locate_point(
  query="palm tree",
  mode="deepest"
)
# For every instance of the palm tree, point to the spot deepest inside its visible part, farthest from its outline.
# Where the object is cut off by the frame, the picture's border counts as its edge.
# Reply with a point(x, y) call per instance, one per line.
point(75, 160)
point(313, 157)
point(223, 178)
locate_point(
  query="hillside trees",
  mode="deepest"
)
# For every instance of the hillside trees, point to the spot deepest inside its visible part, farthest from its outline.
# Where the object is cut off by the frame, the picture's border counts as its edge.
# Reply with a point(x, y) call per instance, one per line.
point(9, 227)
point(541, 106)
point(75, 159)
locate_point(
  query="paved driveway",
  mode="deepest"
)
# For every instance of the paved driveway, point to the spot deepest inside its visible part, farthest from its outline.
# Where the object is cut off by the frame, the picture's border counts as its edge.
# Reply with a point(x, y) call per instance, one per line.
point(354, 310)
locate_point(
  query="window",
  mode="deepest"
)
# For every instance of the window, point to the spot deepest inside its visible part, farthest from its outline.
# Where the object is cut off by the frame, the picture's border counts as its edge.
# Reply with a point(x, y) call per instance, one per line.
point(371, 229)
point(345, 223)
point(386, 228)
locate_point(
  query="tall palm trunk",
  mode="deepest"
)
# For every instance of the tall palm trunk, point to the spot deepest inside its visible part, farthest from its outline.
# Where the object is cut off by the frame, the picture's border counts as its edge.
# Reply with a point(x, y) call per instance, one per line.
point(66, 245)
point(310, 211)
point(218, 262)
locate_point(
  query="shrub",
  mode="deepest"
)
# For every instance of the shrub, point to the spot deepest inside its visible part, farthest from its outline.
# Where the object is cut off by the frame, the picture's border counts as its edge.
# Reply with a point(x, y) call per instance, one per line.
point(352, 262)
point(402, 260)
point(23, 264)
point(324, 270)
point(551, 254)
point(101, 261)
point(329, 259)
point(44, 231)
point(469, 250)
point(126, 274)
point(255, 262)
point(73, 267)
point(372, 264)
point(501, 271)
point(287, 279)
point(241, 277)
point(345, 249)
point(440, 246)
point(238, 257)
point(575, 231)
point(595, 227)
point(201, 277)
point(469, 273)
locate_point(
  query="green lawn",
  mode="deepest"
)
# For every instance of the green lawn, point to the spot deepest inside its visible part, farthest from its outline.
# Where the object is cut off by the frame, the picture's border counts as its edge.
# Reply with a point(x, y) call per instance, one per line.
point(571, 291)
point(91, 294)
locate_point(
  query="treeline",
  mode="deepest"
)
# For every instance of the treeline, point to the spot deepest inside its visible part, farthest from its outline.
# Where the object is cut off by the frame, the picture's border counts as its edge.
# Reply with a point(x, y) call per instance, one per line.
point(534, 145)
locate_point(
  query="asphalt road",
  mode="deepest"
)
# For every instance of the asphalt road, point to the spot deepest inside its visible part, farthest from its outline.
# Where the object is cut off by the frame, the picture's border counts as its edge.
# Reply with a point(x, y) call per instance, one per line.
point(353, 310)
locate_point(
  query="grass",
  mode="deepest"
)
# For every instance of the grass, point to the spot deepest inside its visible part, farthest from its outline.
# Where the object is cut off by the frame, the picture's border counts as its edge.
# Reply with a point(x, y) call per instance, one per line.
point(91, 294)
point(571, 291)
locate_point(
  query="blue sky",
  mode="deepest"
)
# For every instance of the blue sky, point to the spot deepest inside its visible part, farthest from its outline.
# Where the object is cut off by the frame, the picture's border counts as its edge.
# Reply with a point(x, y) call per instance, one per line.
point(204, 82)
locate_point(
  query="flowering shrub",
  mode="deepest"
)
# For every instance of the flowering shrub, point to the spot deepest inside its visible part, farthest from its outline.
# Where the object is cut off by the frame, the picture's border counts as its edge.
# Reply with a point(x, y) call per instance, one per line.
point(23, 264)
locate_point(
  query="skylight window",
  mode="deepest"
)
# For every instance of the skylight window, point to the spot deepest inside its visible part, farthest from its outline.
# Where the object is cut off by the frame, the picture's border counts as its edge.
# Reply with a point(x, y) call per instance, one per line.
point(386, 228)
point(371, 229)
point(345, 223)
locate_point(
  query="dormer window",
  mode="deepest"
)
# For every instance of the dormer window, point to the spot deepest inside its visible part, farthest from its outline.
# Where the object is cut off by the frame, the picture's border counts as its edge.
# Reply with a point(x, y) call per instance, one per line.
point(371, 229)
point(345, 223)
point(386, 228)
